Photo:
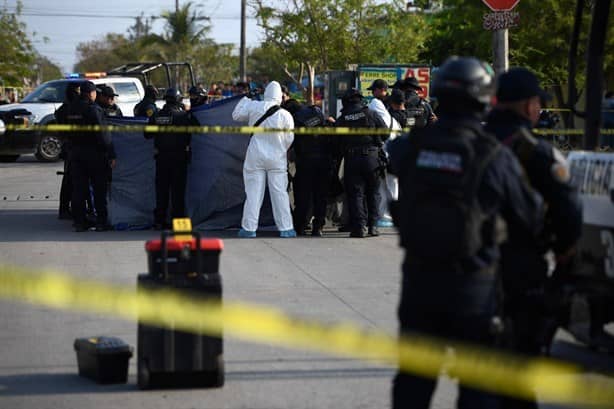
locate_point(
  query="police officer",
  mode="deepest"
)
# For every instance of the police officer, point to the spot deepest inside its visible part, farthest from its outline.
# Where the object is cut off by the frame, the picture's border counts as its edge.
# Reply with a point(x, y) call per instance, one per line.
point(198, 96)
point(173, 154)
point(147, 107)
point(61, 117)
point(91, 155)
point(419, 111)
point(397, 110)
point(455, 179)
point(106, 99)
point(523, 264)
point(315, 167)
point(362, 164)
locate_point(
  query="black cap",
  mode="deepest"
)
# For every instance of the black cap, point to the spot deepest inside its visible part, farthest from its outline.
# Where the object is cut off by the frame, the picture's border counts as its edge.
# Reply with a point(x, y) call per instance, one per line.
point(412, 83)
point(378, 84)
point(107, 91)
point(397, 96)
point(87, 87)
point(517, 84)
point(351, 93)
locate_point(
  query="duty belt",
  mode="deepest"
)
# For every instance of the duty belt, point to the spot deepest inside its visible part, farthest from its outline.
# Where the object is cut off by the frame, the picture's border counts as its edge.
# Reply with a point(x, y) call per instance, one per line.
point(362, 150)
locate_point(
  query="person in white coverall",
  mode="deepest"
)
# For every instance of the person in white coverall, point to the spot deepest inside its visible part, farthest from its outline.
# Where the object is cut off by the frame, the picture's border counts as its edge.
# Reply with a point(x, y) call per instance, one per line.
point(266, 161)
point(389, 190)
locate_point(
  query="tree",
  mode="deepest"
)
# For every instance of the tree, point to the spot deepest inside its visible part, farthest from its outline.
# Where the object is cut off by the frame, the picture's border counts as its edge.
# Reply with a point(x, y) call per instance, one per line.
point(330, 34)
point(18, 54)
point(111, 51)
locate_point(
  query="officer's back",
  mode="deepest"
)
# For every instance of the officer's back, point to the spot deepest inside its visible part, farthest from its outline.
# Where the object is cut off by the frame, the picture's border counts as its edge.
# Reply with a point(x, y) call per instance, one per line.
point(85, 112)
point(311, 144)
point(147, 107)
point(356, 115)
point(454, 181)
point(171, 115)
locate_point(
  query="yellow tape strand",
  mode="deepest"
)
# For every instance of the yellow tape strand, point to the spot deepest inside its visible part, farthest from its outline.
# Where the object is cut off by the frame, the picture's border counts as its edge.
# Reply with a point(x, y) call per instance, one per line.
point(248, 129)
point(476, 367)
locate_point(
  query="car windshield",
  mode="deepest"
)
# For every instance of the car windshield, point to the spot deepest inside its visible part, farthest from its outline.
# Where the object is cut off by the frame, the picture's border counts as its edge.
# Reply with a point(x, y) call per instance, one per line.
point(52, 91)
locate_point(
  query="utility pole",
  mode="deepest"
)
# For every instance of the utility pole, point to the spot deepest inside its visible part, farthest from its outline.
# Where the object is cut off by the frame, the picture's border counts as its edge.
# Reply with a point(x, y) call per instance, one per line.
point(243, 54)
point(500, 46)
point(176, 6)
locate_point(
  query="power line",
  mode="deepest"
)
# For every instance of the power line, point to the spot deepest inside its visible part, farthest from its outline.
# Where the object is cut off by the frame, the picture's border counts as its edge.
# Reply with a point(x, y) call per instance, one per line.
point(81, 15)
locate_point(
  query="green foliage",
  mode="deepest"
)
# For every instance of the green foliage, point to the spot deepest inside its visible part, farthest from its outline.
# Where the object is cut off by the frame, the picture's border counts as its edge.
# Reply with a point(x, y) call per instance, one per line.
point(330, 34)
point(111, 51)
point(18, 54)
point(47, 70)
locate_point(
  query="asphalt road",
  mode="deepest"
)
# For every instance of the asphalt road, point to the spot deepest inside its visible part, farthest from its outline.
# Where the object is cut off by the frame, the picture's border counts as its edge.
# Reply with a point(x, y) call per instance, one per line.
point(334, 278)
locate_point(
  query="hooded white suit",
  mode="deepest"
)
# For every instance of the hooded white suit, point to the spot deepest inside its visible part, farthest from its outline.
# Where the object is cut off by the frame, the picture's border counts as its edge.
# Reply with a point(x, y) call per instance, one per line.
point(266, 159)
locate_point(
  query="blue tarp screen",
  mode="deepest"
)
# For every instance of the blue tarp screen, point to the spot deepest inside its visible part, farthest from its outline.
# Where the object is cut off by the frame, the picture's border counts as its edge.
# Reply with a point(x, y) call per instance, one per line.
point(215, 191)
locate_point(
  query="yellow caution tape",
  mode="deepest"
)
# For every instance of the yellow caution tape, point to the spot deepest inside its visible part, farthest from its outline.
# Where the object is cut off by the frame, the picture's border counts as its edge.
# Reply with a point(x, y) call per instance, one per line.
point(475, 367)
point(215, 129)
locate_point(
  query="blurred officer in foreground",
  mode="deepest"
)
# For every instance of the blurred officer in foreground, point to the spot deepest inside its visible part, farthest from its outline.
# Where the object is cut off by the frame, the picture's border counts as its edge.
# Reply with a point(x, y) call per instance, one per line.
point(61, 116)
point(524, 267)
point(455, 179)
point(198, 96)
point(106, 100)
point(315, 166)
point(147, 107)
point(173, 154)
point(363, 164)
point(91, 155)
point(419, 111)
point(266, 161)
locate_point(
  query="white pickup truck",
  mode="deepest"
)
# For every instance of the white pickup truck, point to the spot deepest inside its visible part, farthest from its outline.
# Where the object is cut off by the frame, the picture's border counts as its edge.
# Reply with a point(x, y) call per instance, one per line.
point(42, 103)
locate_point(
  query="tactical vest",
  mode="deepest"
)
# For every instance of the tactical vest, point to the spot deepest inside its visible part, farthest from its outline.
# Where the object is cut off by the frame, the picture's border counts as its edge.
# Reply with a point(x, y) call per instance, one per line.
point(416, 112)
point(440, 217)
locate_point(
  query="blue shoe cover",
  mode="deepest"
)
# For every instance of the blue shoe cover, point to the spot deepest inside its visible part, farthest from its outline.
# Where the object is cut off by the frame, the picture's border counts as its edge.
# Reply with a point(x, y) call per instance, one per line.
point(384, 223)
point(245, 234)
point(286, 234)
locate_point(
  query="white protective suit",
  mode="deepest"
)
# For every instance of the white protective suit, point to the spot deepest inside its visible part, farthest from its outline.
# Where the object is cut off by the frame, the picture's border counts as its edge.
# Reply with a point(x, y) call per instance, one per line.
point(266, 159)
point(389, 190)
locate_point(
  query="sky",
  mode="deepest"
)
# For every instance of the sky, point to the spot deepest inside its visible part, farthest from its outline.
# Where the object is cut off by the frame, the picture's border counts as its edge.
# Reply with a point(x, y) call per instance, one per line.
point(66, 23)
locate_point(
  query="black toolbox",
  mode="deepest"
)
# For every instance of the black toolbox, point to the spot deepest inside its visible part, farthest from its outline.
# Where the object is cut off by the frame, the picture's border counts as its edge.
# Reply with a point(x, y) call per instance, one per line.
point(103, 359)
point(167, 357)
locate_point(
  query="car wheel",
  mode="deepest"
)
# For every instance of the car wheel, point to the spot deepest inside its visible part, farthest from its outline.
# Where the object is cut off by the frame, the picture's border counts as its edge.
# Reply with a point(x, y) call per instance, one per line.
point(49, 148)
point(8, 158)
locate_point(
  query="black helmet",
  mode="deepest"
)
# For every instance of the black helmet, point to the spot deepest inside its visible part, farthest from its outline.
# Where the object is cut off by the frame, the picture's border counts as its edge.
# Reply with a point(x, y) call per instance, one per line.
point(173, 95)
point(197, 91)
point(465, 82)
point(151, 92)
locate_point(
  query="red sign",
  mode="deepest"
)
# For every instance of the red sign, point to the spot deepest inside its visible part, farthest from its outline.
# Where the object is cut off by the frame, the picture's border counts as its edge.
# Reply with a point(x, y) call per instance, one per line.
point(501, 5)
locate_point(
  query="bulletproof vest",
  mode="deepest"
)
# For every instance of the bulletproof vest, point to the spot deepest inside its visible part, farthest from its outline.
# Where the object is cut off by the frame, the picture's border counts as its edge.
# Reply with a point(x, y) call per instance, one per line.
point(171, 141)
point(417, 115)
point(359, 118)
point(440, 217)
point(83, 113)
point(401, 117)
point(310, 144)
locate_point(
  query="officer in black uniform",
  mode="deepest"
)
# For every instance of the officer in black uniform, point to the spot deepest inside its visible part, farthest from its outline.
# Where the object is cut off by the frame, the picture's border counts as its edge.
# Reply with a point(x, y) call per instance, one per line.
point(61, 117)
point(362, 164)
point(91, 155)
point(419, 111)
point(173, 155)
point(147, 107)
point(106, 100)
point(198, 96)
point(315, 166)
point(523, 264)
point(397, 110)
point(455, 179)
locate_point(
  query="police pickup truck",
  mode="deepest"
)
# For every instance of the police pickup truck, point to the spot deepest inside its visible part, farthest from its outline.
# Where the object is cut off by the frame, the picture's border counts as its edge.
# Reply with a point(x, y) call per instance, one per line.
point(38, 108)
point(592, 279)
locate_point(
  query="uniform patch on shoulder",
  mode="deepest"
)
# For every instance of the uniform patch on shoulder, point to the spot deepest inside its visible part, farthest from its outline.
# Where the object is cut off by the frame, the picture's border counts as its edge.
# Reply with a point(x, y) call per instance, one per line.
point(149, 112)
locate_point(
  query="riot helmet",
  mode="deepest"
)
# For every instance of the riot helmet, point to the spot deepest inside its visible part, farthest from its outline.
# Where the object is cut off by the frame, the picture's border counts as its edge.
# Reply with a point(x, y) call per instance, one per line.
point(464, 83)
point(172, 95)
point(151, 92)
